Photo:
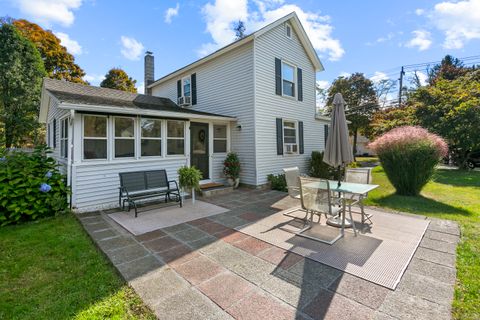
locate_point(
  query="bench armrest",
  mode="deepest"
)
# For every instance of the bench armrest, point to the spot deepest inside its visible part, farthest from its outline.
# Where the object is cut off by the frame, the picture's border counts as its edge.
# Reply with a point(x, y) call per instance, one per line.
point(123, 191)
point(176, 184)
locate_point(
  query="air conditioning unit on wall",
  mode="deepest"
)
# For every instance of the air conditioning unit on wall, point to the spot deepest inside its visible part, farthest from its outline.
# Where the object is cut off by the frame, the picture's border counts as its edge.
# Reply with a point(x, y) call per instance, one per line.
point(184, 101)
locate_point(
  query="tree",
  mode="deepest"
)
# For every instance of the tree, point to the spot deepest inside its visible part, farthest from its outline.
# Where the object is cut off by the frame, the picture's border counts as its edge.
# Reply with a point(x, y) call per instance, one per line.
point(59, 64)
point(361, 99)
point(387, 119)
point(239, 29)
point(118, 79)
point(449, 69)
point(21, 73)
point(451, 108)
point(382, 89)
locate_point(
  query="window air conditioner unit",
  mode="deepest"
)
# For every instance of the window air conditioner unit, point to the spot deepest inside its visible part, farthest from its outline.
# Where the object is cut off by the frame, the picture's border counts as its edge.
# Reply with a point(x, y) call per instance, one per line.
point(184, 101)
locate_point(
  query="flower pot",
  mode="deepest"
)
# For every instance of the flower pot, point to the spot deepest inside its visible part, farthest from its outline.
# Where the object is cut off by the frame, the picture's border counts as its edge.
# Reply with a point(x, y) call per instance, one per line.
point(233, 182)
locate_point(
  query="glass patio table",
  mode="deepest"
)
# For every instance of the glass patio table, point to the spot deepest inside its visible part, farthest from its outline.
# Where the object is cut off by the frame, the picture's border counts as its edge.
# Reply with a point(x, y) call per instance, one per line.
point(344, 188)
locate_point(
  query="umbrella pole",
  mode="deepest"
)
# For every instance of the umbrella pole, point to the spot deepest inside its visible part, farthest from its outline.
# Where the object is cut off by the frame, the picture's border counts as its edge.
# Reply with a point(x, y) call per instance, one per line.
point(339, 176)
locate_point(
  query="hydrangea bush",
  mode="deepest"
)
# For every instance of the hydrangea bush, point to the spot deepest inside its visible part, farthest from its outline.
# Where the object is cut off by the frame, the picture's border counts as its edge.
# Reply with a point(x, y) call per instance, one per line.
point(409, 155)
point(31, 186)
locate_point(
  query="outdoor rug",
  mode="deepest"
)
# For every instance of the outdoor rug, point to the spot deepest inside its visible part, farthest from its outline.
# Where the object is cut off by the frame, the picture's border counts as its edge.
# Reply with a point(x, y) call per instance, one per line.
point(163, 217)
point(379, 254)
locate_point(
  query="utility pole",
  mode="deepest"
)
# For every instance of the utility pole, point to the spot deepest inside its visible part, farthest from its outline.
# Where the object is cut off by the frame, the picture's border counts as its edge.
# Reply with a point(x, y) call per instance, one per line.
point(402, 73)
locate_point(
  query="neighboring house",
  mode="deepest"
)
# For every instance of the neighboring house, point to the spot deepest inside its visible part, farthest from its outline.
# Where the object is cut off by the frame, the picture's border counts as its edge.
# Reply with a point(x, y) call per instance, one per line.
point(362, 143)
point(255, 97)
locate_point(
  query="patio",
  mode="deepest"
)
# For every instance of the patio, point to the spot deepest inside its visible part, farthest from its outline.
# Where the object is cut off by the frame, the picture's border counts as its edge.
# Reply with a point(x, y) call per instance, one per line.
point(207, 269)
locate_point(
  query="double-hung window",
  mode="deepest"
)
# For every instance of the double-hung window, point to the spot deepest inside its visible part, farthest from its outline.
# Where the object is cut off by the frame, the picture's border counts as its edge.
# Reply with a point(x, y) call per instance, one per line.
point(219, 138)
point(95, 137)
point(151, 142)
point(290, 137)
point(124, 131)
point(288, 80)
point(186, 87)
point(64, 138)
point(175, 137)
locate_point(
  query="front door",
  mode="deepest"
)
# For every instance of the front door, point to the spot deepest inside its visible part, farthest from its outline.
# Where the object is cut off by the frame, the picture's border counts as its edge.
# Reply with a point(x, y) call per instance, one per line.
point(199, 154)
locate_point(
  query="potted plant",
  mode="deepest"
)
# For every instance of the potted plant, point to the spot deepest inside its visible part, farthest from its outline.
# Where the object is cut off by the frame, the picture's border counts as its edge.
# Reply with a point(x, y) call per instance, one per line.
point(189, 179)
point(231, 169)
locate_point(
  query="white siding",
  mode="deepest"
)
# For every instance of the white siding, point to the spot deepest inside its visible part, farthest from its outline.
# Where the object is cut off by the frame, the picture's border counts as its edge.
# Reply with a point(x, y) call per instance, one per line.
point(269, 106)
point(55, 113)
point(225, 86)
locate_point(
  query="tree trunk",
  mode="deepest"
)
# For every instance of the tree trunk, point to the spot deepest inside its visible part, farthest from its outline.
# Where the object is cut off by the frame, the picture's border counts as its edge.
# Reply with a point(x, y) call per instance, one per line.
point(355, 134)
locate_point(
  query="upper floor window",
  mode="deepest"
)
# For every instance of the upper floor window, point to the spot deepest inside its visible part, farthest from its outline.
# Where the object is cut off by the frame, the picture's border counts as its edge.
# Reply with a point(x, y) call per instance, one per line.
point(64, 138)
point(219, 138)
point(186, 87)
point(288, 80)
point(151, 142)
point(124, 129)
point(95, 137)
point(175, 137)
point(290, 141)
point(288, 30)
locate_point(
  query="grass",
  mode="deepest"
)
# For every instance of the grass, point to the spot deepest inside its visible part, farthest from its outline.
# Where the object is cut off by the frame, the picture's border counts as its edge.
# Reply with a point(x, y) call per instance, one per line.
point(51, 270)
point(453, 195)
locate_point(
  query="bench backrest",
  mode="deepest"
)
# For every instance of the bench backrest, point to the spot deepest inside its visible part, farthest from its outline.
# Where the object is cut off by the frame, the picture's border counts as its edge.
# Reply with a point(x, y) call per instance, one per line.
point(143, 180)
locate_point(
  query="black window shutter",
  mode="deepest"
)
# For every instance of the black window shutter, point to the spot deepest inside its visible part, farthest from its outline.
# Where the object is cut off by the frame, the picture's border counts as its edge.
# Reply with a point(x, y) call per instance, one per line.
point(194, 88)
point(300, 137)
point(278, 76)
point(299, 85)
point(279, 136)
point(54, 133)
point(326, 133)
point(179, 88)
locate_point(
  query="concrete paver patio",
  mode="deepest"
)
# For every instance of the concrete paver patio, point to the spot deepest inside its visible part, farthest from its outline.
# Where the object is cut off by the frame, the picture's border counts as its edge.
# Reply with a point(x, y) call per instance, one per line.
point(204, 269)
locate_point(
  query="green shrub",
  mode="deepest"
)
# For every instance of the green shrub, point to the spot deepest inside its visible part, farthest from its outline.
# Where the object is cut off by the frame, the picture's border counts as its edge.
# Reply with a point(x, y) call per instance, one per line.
point(31, 186)
point(409, 156)
point(231, 166)
point(277, 182)
point(189, 178)
point(319, 169)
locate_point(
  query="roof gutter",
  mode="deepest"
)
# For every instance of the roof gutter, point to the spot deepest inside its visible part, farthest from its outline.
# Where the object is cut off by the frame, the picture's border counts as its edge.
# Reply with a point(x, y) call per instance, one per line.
point(143, 112)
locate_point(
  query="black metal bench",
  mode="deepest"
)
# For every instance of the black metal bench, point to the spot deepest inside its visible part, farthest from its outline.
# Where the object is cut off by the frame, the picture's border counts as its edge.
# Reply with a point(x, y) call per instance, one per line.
point(140, 185)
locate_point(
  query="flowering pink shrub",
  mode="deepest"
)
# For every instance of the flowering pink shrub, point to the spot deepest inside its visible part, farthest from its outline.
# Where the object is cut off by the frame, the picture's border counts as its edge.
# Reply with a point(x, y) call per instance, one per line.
point(409, 156)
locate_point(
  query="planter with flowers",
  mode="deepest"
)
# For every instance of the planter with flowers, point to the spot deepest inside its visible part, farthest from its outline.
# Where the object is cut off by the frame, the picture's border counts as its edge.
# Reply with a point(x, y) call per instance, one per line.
point(231, 169)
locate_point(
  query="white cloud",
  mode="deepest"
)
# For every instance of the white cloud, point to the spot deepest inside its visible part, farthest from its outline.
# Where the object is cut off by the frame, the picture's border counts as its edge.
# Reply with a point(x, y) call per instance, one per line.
point(419, 12)
point(422, 77)
point(460, 22)
point(422, 40)
point(323, 84)
point(141, 87)
point(49, 11)
point(378, 76)
point(171, 12)
point(131, 48)
point(72, 46)
point(344, 74)
point(222, 14)
point(94, 79)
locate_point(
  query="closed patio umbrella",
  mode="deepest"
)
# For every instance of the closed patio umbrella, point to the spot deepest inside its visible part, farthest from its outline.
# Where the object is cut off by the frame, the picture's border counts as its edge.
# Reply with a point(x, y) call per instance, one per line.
point(338, 151)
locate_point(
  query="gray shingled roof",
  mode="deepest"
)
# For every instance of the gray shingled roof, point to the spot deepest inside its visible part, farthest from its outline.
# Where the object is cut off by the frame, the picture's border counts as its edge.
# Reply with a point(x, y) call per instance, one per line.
point(82, 94)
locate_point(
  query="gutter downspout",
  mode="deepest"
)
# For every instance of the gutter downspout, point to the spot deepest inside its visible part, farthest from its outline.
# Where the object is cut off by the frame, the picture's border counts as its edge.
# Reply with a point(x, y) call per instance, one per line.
point(70, 155)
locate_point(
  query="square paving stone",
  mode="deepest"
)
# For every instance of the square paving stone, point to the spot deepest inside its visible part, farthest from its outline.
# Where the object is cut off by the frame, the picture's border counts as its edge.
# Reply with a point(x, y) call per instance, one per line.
point(315, 272)
point(199, 222)
point(438, 245)
point(328, 305)
point(162, 244)
point(360, 290)
point(115, 243)
point(200, 243)
point(433, 270)
point(103, 234)
point(177, 228)
point(252, 245)
point(280, 257)
point(226, 289)
point(250, 216)
point(445, 226)
point(446, 237)
point(212, 228)
point(232, 221)
point(234, 236)
point(127, 254)
point(140, 267)
point(150, 235)
point(190, 235)
point(174, 254)
point(445, 259)
point(91, 219)
point(93, 227)
point(258, 305)
point(427, 288)
point(198, 270)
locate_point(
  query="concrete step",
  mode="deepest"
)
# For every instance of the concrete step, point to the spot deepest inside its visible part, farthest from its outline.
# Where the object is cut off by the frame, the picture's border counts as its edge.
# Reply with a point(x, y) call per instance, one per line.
point(214, 189)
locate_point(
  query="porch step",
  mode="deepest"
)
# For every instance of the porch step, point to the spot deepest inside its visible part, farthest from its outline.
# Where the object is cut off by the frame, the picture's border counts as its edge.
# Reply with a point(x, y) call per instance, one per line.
point(214, 189)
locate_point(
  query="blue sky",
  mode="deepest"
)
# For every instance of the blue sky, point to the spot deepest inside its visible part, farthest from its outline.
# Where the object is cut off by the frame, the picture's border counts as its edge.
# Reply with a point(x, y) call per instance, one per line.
point(373, 37)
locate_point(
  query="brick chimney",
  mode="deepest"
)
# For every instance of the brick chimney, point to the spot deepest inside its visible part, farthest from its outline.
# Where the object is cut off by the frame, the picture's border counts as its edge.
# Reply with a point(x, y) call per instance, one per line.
point(149, 71)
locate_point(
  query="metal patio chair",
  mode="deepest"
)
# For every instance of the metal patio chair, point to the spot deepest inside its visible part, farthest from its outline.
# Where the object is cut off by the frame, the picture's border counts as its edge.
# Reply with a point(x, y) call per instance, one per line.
point(358, 175)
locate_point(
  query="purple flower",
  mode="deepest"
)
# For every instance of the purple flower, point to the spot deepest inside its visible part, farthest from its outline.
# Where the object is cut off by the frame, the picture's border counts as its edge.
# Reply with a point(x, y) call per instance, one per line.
point(48, 175)
point(44, 187)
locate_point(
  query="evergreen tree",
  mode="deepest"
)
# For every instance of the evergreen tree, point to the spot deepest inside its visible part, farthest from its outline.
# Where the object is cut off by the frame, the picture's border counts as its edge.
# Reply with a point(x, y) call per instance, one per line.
point(118, 79)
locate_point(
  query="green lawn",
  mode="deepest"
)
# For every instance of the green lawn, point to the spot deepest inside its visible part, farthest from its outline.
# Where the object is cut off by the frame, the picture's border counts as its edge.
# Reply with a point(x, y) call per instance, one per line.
point(453, 195)
point(51, 270)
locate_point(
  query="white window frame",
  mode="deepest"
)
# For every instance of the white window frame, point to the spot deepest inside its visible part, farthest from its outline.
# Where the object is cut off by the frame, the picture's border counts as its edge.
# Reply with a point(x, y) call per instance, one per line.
point(183, 92)
point(162, 125)
point(49, 134)
point(64, 137)
point(134, 138)
point(287, 27)
point(294, 79)
point(285, 145)
point(176, 138)
point(223, 139)
point(106, 138)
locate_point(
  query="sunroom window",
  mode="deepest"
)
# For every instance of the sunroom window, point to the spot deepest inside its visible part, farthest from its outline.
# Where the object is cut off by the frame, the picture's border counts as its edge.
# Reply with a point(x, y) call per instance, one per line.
point(288, 80)
point(124, 129)
point(151, 144)
point(64, 138)
point(219, 138)
point(290, 141)
point(175, 137)
point(95, 137)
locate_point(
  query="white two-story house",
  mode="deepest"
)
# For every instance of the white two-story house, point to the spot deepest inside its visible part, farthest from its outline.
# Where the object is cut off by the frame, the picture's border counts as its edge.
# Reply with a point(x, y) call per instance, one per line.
point(255, 97)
